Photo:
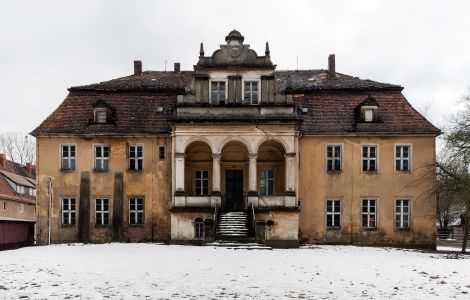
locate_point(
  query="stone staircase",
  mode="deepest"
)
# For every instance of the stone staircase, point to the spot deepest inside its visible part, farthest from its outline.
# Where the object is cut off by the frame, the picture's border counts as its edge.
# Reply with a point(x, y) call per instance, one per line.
point(232, 232)
point(232, 225)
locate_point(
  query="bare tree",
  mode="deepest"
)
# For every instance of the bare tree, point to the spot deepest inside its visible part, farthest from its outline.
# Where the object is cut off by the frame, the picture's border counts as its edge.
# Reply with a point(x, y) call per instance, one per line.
point(18, 147)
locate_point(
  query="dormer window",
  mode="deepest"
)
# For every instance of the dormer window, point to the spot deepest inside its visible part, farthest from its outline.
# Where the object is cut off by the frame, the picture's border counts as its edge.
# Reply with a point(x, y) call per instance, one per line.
point(367, 111)
point(218, 92)
point(369, 114)
point(101, 115)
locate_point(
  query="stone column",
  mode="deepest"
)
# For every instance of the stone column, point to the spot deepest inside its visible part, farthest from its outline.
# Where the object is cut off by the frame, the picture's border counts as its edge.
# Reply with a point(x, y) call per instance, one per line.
point(290, 171)
point(252, 173)
point(216, 173)
point(290, 195)
point(179, 172)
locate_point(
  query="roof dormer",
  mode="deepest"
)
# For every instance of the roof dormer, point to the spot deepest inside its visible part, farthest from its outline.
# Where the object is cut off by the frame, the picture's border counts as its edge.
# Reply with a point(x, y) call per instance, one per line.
point(103, 113)
point(367, 111)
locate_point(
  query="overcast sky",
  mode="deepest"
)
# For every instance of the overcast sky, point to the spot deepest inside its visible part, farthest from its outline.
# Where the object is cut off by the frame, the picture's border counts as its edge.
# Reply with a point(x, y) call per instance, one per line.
point(48, 46)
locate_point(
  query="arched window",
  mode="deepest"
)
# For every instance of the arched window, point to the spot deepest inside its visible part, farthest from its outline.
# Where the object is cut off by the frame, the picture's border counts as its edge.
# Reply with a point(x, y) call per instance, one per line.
point(198, 228)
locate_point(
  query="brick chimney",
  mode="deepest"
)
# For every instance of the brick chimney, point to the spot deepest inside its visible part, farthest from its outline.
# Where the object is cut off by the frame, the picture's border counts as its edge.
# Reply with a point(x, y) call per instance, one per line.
point(2, 159)
point(137, 67)
point(177, 67)
point(331, 66)
point(29, 168)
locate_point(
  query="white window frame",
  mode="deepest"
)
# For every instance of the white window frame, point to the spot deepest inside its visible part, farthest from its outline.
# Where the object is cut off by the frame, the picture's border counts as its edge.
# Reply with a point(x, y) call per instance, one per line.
point(245, 80)
point(369, 159)
point(401, 158)
point(266, 181)
point(69, 158)
point(399, 205)
point(201, 181)
point(98, 113)
point(334, 157)
point(101, 159)
point(4, 205)
point(333, 213)
point(102, 212)
point(22, 208)
point(133, 162)
point(136, 211)
point(368, 212)
point(217, 79)
point(372, 109)
point(67, 213)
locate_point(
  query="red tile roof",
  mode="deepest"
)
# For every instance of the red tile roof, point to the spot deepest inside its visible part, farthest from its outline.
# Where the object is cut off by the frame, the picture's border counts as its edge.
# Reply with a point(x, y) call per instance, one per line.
point(15, 172)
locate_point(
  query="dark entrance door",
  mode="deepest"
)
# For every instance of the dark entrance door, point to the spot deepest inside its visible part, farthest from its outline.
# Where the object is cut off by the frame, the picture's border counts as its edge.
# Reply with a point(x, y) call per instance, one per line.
point(234, 189)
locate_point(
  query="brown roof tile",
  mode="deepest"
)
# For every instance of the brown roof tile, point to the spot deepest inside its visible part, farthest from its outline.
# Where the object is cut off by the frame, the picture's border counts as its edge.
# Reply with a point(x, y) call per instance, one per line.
point(333, 113)
point(134, 114)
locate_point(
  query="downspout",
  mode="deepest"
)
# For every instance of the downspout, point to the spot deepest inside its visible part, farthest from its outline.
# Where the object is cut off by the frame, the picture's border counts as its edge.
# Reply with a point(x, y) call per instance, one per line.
point(50, 211)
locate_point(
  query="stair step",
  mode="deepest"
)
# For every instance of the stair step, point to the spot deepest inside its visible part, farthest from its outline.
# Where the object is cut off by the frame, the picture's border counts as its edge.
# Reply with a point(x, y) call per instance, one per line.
point(239, 245)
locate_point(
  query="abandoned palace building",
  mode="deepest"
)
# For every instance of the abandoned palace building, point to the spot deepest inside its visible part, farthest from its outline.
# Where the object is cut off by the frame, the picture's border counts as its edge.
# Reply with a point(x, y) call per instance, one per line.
point(236, 149)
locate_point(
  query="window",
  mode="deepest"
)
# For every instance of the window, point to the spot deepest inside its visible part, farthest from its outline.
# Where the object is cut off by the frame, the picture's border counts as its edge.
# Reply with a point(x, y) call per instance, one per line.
point(266, 183)
point(136, 157)
point(333, 213)
point(369, 158)
point(402, 157)
point(68, 157)
point(333, 158)
point(250, 92)
point(161, 152)
point(102, 211)
point(4, 206)
point(100, 116)
point(218, 92)
point(101, 158)
point(20, 189)
point(402, 214)
point(202, 183)
point(136, 211)
point(368, 115)
point(22, 208)
point(369, 213)
point(68, 211)
point(198, 228)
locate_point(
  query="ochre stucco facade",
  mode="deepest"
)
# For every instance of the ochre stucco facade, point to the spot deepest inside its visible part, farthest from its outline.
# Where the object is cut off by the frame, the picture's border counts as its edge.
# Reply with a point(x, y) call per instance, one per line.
point(352, 184)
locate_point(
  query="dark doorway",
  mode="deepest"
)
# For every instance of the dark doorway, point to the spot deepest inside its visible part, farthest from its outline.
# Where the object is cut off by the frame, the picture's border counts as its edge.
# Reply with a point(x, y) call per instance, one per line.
point(234, 189)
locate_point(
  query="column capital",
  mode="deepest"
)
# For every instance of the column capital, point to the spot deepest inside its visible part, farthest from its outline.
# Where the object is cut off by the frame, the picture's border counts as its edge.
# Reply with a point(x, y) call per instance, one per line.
point(216, 155)
point(180, 155)
point(290, 155)
point(252, 155)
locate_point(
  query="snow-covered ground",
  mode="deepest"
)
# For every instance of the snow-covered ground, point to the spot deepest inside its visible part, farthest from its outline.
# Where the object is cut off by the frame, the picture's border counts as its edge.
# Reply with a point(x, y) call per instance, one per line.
point(151, 271)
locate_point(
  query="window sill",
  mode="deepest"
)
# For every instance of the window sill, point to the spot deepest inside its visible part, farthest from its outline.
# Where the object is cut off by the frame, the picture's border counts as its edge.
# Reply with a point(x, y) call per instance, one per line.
point(68, 226)
point(100, 171)
point(135, 171)
point(369, 229)
point(403, 229)
point(67, 170)
point(370, 172)
point(102, 226)
point(136, 226)
point(334, 172)
point(403, 172)
point(333, 228)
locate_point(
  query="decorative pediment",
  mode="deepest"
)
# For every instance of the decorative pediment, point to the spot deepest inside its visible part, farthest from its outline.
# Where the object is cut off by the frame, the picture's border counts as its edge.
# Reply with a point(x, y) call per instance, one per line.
point(234, 54)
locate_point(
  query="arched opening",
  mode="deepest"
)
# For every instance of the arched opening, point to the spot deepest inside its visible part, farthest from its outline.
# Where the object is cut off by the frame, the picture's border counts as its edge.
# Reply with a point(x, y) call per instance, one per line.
point(198, 228)
point(271, 169)
point(198, 169)
point(234, 164)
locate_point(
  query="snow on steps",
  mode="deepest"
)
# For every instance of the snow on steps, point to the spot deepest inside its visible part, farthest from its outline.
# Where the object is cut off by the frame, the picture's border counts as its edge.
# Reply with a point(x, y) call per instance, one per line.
point(239, 245)
point(232, 225)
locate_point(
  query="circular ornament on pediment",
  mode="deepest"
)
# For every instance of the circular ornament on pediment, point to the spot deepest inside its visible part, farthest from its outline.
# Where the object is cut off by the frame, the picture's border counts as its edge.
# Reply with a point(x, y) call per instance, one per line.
point(235, 51)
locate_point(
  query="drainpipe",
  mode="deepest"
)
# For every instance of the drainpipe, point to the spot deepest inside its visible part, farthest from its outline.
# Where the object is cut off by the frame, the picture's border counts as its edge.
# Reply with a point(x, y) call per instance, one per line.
point(50, 210)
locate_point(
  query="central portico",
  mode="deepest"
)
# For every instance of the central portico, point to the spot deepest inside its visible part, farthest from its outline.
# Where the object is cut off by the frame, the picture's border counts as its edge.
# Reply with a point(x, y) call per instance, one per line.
point(235, 145)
